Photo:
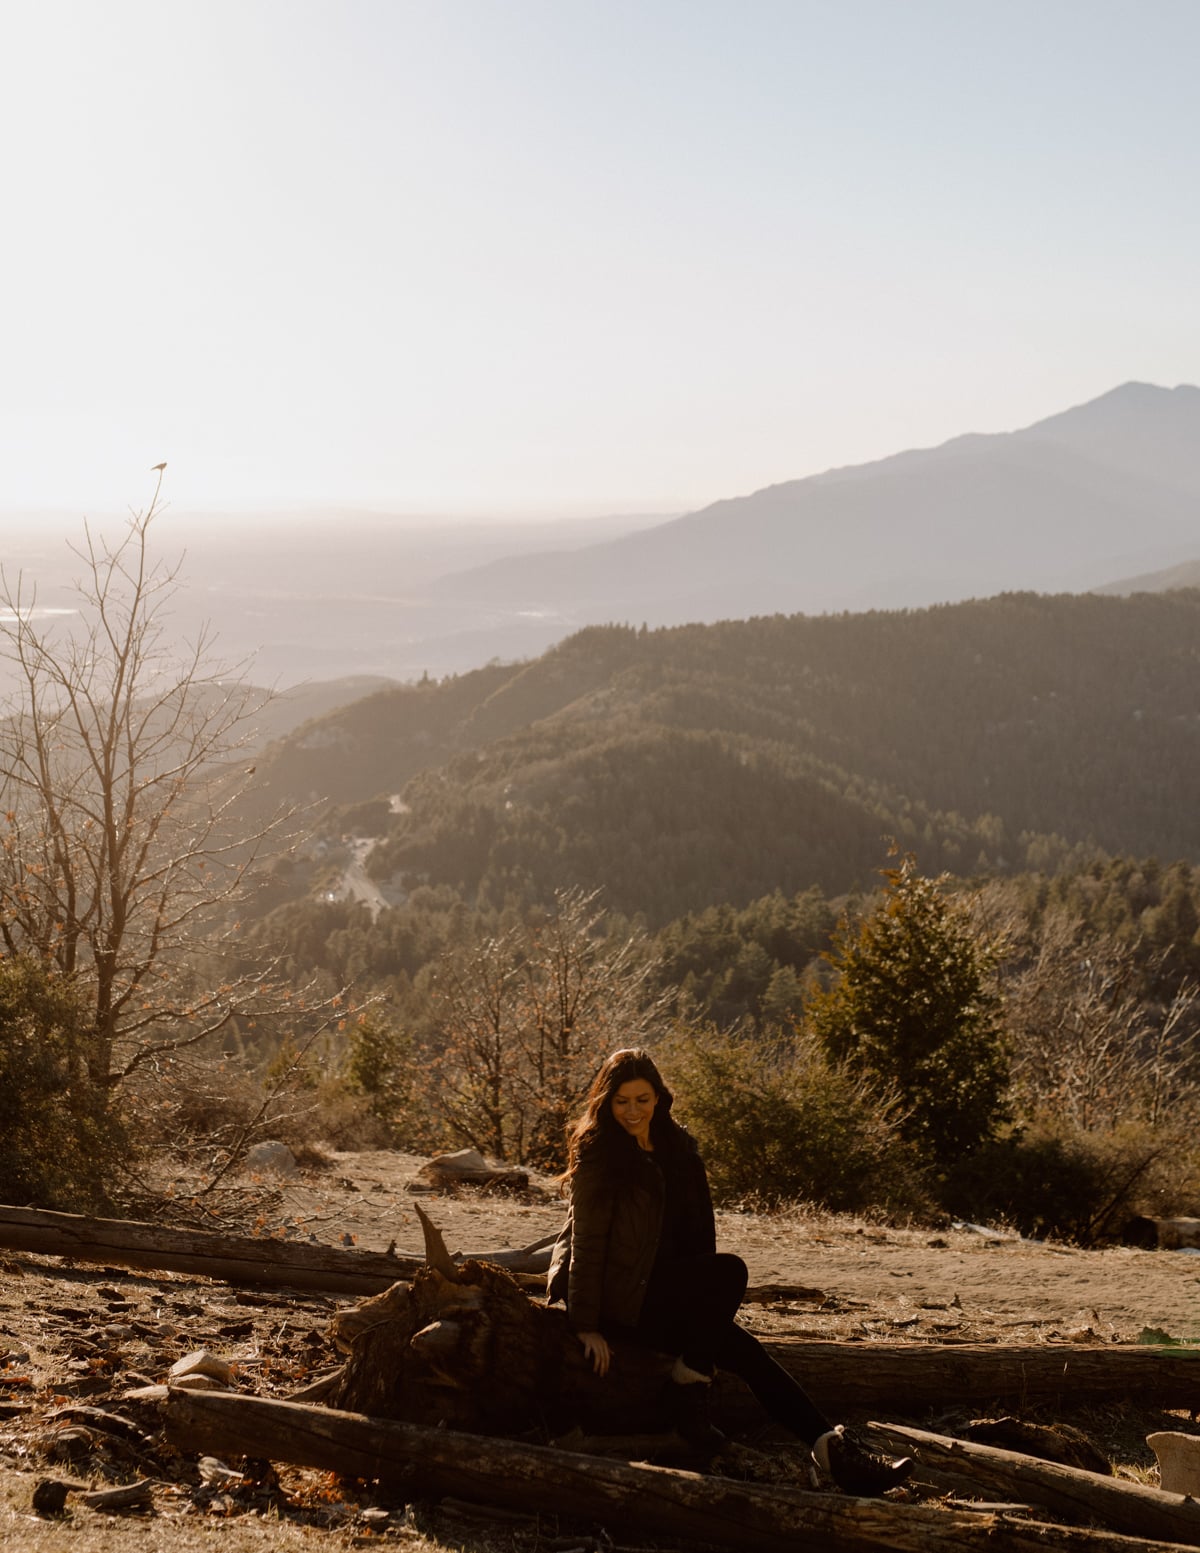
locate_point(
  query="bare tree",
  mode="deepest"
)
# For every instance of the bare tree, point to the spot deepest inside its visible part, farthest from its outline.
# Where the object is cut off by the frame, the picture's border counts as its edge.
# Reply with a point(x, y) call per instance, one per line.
point(1088, 1044)
point(521, 1021)
point(583, 996)
point(475, 990)
point(123, 842)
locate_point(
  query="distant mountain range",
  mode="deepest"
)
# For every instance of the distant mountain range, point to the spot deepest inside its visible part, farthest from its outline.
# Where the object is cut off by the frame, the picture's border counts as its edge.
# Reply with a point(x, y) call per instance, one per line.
point(1068, 504)
point(682, 767)
point(1105, 495)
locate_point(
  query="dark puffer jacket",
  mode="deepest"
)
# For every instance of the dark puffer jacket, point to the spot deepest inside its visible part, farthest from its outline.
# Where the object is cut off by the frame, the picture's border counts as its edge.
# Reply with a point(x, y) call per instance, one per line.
point(605, 1253)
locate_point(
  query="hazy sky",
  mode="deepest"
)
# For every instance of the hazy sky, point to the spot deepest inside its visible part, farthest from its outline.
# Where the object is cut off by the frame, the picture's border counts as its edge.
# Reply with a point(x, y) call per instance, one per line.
point(549, 256)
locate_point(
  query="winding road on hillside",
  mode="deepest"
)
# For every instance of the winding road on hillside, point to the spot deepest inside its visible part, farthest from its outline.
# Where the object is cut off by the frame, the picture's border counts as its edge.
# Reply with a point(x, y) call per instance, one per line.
point(356, 884)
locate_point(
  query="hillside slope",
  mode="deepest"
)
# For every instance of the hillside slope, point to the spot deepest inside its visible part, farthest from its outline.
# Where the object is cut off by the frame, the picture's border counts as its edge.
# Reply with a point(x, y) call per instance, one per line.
point(1103, 490)
point(712, 763)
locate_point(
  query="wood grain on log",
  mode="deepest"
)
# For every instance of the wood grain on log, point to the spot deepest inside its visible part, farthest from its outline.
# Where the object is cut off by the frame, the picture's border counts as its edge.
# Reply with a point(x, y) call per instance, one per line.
point(658, 1501)
point(1068, 1492)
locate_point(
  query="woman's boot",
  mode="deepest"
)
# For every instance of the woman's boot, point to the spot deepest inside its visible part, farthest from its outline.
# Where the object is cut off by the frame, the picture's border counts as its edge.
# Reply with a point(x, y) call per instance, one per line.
point(855, 1469)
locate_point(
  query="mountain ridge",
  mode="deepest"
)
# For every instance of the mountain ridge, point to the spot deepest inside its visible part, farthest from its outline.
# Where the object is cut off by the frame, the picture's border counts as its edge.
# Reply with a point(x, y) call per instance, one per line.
point(1064, 503)
point(697, 764)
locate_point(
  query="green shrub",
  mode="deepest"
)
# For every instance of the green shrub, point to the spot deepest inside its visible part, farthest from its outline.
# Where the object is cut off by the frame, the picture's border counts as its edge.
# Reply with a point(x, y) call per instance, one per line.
point(60, 1142)
point(1048, 1178)
point(777, 1122)
point(339, 1117)
point(380, 1069)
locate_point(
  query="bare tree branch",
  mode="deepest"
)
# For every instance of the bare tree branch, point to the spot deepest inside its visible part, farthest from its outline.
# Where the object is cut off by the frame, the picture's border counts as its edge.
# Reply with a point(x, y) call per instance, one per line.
point(123, 838)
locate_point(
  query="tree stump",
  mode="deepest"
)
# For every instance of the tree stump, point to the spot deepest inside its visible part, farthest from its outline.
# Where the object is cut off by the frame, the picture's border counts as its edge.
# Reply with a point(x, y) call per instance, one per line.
point(464, 1346)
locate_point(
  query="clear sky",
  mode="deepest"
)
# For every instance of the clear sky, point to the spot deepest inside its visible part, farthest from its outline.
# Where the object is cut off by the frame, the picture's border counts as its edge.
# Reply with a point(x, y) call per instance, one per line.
point(563, 256)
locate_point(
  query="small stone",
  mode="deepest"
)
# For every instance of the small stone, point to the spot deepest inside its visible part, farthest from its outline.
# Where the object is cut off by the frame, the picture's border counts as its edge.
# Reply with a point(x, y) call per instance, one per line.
point(213, 1470)
point(272, 1158)
point(195, 1383)
point(49, 1497)
point(203, 1362)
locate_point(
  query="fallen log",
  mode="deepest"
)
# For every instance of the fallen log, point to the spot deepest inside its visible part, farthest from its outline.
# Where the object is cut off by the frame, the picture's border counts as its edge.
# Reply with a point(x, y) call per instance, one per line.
point(267, 1262)
point(447, 1172)
point(909, 1377)
point(423, 1463)
point(233, 1258)
point(1067, 1492)
point(1162, 1234)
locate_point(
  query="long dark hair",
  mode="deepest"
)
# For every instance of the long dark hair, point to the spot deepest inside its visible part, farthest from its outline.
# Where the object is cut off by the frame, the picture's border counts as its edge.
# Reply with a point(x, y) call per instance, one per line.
point(598, 1129)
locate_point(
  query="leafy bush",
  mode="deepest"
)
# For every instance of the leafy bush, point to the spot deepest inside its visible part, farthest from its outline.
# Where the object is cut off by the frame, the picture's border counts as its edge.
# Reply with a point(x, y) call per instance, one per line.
point(1049, 1178)
point(59, 1139)
point(339, 1117)
point(777, 1122)
point(380, 1072)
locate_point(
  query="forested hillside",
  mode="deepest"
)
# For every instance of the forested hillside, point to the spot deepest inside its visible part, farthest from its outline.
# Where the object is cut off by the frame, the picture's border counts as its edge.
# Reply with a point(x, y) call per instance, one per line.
point(704, 764)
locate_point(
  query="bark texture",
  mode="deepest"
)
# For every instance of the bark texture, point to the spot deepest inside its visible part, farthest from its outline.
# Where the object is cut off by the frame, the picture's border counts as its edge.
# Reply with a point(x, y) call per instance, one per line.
point(429, 1464)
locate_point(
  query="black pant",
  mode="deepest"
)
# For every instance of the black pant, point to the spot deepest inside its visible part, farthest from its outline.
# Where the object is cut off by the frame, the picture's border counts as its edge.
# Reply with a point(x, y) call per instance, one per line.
point(689, 1310)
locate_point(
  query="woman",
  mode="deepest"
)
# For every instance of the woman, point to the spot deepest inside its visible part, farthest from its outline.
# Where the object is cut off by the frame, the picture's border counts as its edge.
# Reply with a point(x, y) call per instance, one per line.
point(637, 1260)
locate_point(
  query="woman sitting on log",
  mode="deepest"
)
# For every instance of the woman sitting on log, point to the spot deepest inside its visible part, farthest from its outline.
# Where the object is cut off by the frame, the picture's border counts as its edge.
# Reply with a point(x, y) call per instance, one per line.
point(637, 1261)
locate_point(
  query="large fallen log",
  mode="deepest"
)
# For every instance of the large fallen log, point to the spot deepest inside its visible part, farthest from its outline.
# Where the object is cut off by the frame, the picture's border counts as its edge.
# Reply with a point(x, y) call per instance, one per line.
point(267, 1262)
point(1067, 1492)
point(234, 1258)
point(463, 1346)
point(856, 1377)
point(423, 1463)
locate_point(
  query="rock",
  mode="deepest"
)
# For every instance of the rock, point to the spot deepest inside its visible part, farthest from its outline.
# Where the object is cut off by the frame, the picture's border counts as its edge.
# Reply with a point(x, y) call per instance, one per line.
point(272, 1158)
point(202, 1362)
point(1140, 1232)
point(1162, 1234)
point(196, 1383)
point(1178, 1234)
point(49, 1497)
point(463, 1163)
point(213, 1470)
point(1178, 1461)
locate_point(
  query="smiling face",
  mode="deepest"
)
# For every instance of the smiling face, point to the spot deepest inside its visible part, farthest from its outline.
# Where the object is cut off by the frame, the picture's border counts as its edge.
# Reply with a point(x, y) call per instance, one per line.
point(633, 1106)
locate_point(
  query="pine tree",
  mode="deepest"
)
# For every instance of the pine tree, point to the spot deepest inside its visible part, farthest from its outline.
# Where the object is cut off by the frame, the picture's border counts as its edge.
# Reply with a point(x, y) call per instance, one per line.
point(913, 1003)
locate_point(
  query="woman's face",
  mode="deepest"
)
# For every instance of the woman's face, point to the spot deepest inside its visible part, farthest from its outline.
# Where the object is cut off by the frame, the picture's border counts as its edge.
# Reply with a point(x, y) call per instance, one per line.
point(633, 1106)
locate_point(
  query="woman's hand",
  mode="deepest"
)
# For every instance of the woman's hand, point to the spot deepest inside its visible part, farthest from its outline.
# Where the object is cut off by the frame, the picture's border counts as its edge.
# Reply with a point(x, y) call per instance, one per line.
point(595, 1345)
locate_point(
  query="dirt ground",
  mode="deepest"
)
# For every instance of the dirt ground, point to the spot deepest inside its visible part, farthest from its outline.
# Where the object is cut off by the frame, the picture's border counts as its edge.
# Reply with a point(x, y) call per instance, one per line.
point(76, 1337)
